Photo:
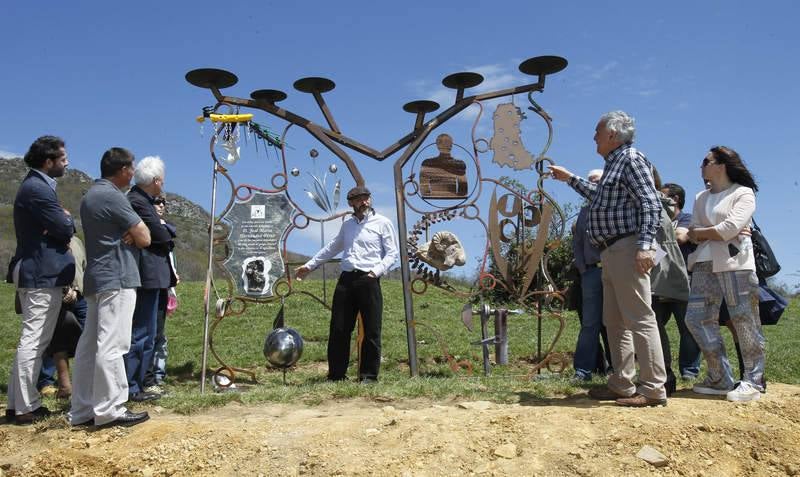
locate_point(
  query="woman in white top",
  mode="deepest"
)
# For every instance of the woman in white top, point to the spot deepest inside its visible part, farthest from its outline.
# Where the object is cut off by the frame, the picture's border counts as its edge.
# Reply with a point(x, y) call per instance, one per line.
point(723, 266)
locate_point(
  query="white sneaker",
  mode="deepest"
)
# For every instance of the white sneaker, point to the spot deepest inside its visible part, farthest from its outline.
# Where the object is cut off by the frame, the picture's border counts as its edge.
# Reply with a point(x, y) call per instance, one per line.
point(154, 389)
point(706, 387)
point(744, 392)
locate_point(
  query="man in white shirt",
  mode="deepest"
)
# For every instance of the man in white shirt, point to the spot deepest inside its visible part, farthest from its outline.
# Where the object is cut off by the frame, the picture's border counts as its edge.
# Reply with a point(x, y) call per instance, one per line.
point(368, 243)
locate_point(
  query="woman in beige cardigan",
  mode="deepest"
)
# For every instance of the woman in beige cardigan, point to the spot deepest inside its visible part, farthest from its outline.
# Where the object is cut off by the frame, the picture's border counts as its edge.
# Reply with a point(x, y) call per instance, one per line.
point(723, 266)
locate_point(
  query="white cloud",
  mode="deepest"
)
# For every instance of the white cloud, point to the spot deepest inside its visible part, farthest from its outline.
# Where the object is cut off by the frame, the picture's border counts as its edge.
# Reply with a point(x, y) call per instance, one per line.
point(495, 77)
point(5, 153)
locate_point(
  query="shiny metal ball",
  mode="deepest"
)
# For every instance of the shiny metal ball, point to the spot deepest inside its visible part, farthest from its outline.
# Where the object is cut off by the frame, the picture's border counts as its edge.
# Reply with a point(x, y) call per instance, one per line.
point(295, 171)
point(283, 347)
point(333, 168)
point(313, 153)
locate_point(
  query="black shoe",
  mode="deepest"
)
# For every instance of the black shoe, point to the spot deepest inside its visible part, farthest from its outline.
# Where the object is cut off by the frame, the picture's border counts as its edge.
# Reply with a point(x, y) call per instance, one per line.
point(87, 423)
point(37, 415)
point(144, 396)
point(11, 416)
point(336, 378)
point(127, 420)
point(368, 381)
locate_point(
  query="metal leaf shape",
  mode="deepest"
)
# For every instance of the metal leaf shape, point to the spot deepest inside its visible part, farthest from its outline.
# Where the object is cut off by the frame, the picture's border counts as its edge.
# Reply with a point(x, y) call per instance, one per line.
point(322, 193)
point(337, 193)
point(316, 199)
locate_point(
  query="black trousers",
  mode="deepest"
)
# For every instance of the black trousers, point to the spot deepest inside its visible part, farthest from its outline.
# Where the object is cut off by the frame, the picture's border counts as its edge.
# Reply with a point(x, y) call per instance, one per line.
point(355, 292)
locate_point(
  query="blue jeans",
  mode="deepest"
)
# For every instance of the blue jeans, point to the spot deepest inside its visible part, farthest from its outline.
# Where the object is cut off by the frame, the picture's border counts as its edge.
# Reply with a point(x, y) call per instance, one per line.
point(591, 323)
point(158, 369)
point(143, 335)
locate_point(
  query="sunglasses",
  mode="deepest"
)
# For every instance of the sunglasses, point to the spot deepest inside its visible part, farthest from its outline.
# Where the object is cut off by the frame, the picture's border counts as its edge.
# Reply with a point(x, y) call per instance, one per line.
point(706, 162)
point(159, 202)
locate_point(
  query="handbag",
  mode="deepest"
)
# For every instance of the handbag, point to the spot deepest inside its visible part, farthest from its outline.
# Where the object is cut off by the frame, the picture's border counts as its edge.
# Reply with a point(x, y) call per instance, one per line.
point(770, 307)
point(766, 263)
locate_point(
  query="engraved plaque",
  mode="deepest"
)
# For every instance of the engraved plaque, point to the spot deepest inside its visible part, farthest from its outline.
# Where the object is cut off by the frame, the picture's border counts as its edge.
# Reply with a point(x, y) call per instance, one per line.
point(258, 226)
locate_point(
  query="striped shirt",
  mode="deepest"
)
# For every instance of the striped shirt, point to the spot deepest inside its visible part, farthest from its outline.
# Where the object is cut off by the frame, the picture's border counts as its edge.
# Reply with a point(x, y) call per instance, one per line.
point(625, 200)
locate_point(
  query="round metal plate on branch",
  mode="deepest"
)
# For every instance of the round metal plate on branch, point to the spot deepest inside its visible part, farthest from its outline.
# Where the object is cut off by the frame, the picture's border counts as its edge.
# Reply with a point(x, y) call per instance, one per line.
point(314, 84)
point(211, 77)
point(543, 65)
point(268, 95)
point(463, 80)
point(421, 106)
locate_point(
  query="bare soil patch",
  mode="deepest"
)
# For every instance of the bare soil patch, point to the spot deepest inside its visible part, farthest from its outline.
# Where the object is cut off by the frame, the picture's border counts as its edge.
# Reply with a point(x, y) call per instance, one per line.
point(570, 436)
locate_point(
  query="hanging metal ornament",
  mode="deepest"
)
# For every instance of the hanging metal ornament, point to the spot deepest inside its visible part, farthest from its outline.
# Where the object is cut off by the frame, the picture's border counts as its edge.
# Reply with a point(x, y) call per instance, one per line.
point(507, 142)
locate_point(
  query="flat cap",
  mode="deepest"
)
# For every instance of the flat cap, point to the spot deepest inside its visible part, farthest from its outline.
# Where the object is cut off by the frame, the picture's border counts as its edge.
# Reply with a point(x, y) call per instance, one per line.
point(357, 191)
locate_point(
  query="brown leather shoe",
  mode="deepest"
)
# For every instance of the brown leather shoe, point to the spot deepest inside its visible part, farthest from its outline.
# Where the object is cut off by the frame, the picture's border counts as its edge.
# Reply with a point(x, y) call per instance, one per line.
point(639, 400)
point(604, 394)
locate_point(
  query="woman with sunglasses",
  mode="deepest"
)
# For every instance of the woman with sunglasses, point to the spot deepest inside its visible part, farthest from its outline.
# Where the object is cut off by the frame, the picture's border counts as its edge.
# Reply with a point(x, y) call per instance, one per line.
point(723, 266)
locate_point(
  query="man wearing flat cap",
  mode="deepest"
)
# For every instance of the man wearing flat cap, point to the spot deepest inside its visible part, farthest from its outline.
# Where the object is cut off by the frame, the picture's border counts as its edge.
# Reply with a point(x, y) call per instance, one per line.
point(368, 243)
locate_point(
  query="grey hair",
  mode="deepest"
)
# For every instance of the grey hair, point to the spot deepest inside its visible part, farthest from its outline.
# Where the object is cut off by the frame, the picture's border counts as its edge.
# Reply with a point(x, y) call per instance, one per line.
point(148, 169)
point(620, 123)
point(595, 172)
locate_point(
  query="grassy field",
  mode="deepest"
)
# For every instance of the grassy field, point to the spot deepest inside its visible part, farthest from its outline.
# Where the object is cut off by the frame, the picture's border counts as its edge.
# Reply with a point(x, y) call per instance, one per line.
point(239, 341)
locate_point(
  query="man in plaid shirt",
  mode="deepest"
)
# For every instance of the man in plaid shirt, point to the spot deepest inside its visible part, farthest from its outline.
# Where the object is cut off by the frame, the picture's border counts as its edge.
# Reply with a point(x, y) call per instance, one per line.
point(624, 212)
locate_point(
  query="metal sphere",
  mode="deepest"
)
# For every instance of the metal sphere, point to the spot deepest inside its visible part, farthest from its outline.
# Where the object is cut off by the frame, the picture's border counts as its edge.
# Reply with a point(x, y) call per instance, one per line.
point(295, 171)
point(333, 168)
point(313, 153)
point(283, 347)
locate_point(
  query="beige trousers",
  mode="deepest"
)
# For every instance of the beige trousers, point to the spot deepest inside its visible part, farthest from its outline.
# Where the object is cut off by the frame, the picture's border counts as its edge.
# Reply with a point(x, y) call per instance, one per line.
point(631, 324)
point(99, 382)
point(40, 307)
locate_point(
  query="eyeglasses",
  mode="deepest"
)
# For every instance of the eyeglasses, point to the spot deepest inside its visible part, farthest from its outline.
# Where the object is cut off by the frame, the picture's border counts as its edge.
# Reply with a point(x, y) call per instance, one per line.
point(706, 162)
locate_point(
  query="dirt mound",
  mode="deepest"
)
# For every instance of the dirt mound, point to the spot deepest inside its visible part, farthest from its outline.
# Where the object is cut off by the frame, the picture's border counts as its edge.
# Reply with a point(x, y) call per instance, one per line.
point(572, 436)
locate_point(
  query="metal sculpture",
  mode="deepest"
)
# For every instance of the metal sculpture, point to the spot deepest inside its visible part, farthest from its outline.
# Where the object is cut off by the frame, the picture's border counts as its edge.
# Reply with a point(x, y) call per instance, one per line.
point(538, 206)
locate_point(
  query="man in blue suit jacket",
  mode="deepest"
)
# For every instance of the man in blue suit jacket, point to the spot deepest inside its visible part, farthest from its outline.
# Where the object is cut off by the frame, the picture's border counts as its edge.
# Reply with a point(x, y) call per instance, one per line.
point(43, 267)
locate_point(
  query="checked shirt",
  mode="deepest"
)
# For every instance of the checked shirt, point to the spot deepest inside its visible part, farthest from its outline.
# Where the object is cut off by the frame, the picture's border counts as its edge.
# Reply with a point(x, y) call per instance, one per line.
point(624, 201)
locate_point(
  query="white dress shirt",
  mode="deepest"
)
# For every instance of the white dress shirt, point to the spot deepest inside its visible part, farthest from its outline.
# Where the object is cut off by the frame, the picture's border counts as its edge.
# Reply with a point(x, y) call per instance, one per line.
point(369, 245)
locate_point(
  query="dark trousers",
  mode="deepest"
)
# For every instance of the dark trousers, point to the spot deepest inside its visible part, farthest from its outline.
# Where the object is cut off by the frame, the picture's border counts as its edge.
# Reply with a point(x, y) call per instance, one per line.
point(355, 293)
point(688, 352)
point(589, 356)
point(143, 335)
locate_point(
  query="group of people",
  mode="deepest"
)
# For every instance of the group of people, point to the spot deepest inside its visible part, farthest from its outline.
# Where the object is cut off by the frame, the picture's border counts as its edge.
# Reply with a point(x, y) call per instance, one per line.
point(632, 245)
point(642, 259)
point(102, 300)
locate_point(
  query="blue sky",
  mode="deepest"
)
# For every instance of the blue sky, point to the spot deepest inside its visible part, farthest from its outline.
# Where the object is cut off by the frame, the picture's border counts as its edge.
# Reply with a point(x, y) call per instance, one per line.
point(693, 74)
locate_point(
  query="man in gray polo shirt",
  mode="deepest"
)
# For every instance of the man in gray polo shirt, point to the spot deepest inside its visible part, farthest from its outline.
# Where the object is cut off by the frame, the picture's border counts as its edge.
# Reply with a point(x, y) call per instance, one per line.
point(114, 234)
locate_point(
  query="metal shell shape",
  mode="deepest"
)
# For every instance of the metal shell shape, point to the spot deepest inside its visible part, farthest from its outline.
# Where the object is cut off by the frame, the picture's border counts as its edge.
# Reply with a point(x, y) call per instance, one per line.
point(283, 347)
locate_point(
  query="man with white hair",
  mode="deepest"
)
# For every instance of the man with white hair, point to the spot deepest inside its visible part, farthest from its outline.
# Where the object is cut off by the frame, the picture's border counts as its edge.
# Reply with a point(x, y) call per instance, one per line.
point(154, 270)
point(624, 213)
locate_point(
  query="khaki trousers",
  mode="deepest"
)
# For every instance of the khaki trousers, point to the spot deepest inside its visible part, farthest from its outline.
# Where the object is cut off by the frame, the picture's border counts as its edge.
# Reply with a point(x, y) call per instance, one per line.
point(40, 307)
point(631, 324)
point(99, 382)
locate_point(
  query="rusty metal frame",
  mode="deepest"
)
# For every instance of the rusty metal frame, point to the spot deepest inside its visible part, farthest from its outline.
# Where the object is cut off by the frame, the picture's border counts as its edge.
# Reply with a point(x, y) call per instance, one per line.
point(332, 137)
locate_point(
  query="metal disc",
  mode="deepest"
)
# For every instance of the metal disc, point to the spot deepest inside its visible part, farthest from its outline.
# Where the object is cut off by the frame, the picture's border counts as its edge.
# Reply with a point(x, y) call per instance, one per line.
point(543, 65)
point(463, 80)
point(268, 95)
point(314, 84)
point(421, 106)
point(208, 77)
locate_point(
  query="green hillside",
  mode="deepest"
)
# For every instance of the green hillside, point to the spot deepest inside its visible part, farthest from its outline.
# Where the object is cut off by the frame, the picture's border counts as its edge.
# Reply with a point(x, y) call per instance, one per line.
point(190, 219)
